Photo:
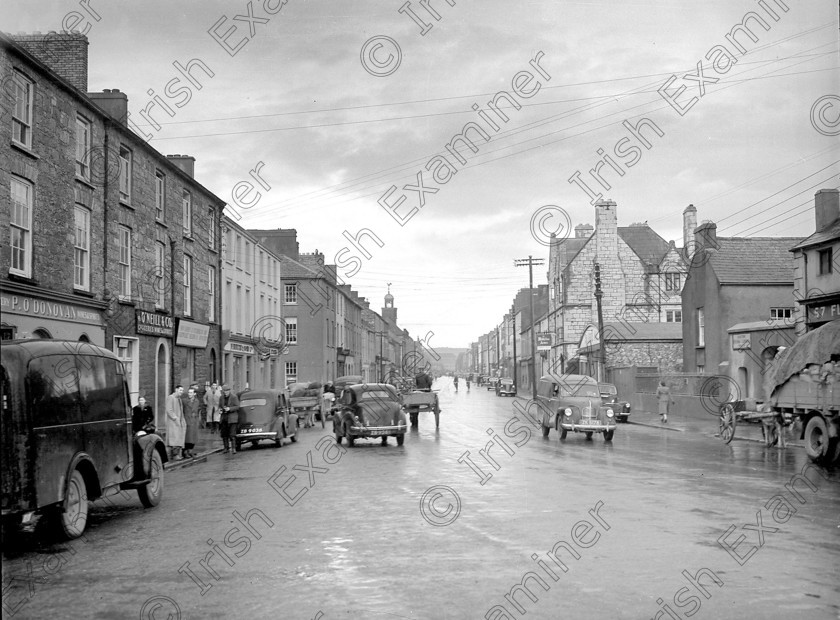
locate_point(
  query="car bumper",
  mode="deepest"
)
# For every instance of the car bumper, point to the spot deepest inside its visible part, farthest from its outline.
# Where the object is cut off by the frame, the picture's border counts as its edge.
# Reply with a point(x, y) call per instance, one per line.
point(261, 435)
point(377, 431)
point(586, 427)
point(507, 393)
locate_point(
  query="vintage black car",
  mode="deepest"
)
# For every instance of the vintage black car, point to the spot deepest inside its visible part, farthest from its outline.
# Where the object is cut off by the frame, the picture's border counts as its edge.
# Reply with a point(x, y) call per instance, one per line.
point(573, 403)
point(368, 411)
point(265, 414)
point(492, 382)
point(609, 396)
point(66, 436)
point(505, 387)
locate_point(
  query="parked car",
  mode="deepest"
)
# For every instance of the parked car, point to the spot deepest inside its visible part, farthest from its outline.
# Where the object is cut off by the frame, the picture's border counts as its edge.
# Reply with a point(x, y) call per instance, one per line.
point(265, 414)
point(492, 382)
point(609, 396)
point(505, 387)
point(573, 403)
point(369, 411)
point(66, 435)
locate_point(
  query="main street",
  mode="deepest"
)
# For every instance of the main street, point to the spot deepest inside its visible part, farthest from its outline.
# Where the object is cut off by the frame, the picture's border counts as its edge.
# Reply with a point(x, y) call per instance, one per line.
point(353, 536)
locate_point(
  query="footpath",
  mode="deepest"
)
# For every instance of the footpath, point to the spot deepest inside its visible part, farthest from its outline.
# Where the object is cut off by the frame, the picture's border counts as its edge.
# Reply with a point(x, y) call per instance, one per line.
point(708, 425)
point(208, 443)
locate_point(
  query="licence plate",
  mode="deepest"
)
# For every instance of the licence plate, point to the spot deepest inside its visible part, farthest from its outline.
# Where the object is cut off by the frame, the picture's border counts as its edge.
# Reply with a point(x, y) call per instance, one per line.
point(592, 422)
point(380, 431)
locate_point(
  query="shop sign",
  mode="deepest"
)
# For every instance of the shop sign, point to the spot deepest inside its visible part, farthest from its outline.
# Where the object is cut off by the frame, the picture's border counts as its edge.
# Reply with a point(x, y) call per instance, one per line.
point(191, 334)
point(239, 347)
point(544, 341)
point(152, 324)
point(824, 312)
point(43, 308)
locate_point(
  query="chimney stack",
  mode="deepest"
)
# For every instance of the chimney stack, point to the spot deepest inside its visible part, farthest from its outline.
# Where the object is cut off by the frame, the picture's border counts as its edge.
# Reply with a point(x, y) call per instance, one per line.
point(65, 53)
point(826, 207)
point(184, 162)
point(705, 237)
point(114, 102)
point(689, 224)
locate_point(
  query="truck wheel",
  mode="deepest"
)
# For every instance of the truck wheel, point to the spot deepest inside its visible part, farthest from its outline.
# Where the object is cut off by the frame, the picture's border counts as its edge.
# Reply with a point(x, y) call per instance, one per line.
point(818, 445)
point(73, 514)
point(151, 494)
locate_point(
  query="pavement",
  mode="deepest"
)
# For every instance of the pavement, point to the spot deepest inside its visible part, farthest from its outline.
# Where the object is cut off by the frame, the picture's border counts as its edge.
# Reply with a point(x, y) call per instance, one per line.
point(208, 443)
point(708, 425)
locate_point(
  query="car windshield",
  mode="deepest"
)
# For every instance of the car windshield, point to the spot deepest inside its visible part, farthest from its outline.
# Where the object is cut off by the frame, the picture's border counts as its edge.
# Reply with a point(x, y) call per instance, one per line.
point(607, 388)
point(586, 390)
point(252, 402)
point(507, 382)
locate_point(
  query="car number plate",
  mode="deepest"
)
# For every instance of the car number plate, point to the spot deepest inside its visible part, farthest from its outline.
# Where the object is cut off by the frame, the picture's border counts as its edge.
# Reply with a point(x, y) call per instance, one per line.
point(593, 422)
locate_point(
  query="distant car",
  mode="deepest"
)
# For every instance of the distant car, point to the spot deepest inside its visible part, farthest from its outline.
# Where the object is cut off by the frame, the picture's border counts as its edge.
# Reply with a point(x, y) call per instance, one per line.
point(609, 396)
point(505, 387)
point(492, 382)
point(368, 411)
point(265, 414)
point(573, 403)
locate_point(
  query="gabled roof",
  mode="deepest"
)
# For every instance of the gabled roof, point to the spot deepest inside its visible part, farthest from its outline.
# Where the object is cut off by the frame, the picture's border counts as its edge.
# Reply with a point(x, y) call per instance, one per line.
point(645, 242)
point(753, 260)
point(829, 233)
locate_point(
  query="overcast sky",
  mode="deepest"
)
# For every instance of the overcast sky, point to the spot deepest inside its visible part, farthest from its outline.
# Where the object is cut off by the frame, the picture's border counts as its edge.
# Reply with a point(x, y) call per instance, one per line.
point(334, 138)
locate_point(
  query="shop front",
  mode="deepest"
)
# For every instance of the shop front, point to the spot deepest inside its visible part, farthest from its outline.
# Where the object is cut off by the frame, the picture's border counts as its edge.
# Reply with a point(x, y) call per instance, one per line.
point(31, 312)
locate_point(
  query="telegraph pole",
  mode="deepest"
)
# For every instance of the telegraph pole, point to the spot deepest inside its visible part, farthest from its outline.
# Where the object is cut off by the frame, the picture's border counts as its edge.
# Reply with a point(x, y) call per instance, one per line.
point(603, 345)
point(530, 262)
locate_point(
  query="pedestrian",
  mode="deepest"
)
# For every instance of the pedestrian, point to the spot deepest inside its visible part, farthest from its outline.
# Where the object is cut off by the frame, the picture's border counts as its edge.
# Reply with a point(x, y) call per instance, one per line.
point(176, 426)
point(142, 417)
point(663, 395)
point(229, 407)
point(327, 399)
point(211, 404)
point(191, 415)
point(455, 381)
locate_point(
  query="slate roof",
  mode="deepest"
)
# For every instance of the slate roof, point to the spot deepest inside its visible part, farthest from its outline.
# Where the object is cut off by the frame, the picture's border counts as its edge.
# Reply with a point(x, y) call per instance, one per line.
point(645, 242)
point(753, 260)
point(829, 233)
point(292, 269)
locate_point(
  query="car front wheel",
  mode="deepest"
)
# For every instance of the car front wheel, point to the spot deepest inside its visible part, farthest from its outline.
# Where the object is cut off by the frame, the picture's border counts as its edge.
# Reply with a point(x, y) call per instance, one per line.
point(74, 509)
point(151, 494)
point(400, 439)
point(351, 441)
point(608, 435)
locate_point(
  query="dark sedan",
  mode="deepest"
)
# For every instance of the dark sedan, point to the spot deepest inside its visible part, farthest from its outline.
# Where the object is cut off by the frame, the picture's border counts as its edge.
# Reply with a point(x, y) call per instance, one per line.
point(609, 396)
point(369, 411)
point(265, 414)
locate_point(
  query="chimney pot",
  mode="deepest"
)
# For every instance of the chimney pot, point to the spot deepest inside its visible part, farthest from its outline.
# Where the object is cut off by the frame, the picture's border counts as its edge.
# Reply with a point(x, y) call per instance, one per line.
point(826, 207)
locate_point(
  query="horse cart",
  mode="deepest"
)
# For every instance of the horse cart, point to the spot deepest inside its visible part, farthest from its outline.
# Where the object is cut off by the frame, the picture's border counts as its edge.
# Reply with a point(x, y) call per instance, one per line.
point(803, 384)
point(305, 401)
point(418, 401)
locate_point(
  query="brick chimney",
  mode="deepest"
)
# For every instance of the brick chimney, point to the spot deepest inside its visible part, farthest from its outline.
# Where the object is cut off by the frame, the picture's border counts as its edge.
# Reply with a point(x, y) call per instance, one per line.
point(826, 207)
point(184, 162)
point(606, 254)
point(114, 102)
point(689, 224)
point(65, 53)
point(583, 231)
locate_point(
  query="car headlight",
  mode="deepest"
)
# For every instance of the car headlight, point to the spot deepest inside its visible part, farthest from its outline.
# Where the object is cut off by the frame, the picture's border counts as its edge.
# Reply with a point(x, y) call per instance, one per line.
point(568, 412)
point(609, 413)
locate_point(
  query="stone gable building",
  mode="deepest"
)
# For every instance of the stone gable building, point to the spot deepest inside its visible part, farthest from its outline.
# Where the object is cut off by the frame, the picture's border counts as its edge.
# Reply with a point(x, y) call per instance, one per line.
point(641, 279)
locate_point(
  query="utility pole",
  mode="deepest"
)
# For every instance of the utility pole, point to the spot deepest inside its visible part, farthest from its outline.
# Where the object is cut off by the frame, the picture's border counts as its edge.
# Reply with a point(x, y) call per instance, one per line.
point(603, 345)
point(513, 332)
point(521, 262)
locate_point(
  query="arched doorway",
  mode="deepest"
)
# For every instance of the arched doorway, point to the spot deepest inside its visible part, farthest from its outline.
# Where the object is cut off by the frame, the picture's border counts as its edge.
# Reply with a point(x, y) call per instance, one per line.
point(42, 333)
point(161, 383)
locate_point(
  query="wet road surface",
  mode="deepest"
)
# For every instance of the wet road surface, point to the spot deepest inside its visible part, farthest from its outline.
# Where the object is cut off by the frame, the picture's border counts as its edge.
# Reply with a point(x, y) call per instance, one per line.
point(649, 523)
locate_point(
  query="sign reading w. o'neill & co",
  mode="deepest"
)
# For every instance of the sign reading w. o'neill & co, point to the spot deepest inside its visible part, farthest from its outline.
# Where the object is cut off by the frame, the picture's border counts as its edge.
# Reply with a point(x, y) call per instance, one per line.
point(153, 324)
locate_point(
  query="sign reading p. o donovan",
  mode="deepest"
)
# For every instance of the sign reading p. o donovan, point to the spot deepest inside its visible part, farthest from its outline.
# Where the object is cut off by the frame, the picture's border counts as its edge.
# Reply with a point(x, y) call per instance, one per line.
point(153, 324)
point(191, 334)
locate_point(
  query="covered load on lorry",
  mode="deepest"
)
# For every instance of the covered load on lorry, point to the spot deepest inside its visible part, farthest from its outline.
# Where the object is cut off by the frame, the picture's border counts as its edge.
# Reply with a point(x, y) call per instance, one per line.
point(805, 382)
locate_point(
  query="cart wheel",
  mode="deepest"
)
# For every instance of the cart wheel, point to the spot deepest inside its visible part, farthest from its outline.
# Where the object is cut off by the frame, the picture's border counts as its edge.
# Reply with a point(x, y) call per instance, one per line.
point(728, 421)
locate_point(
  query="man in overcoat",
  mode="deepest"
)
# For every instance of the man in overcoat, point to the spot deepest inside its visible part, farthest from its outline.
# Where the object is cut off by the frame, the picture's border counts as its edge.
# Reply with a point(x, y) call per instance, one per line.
point(176, 425)
point(229, 407)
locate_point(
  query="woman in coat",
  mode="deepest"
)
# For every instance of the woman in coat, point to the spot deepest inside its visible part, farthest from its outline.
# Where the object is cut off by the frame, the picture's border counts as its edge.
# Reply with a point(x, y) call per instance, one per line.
point(663, 395)
point(176, 426)
point(191, 415)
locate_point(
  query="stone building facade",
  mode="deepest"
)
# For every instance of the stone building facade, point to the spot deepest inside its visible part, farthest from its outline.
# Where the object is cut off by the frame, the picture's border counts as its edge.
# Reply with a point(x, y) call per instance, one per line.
point(641, 278)
point(122, 235)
